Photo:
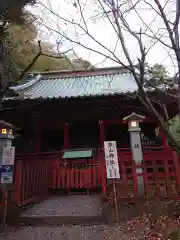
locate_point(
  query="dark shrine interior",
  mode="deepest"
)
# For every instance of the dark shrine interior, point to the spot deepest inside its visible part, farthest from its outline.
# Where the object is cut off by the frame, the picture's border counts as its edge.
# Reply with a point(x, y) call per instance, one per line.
point(84, 136)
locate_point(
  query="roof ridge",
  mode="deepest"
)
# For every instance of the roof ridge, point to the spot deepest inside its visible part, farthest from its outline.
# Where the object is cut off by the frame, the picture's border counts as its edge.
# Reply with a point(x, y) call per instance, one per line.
point(82, 74)
point(26, 84)
point(85, 71)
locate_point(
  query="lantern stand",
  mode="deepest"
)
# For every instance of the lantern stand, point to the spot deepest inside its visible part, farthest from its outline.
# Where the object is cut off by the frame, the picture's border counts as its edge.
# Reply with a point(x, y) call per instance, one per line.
point(133, 127)
point(7, 155)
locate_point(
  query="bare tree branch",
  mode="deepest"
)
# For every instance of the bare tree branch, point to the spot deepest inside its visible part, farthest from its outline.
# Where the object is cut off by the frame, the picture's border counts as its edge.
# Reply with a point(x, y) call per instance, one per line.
point(164, 18)
point(73, 23)
point(88, 48)
point(176, 23)
point(118, 20)
point(82, 15)
point(61, 55)
point(154, 35)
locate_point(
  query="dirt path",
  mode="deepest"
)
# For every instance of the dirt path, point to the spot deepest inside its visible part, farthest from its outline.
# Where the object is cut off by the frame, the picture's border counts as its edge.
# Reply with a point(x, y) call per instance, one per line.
point(134, 229)
point(137, 222)
point(96, 232)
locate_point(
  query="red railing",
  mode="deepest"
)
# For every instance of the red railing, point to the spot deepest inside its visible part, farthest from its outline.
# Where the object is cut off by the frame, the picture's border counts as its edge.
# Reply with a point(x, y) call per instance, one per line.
point(160, 172)
point(36, 173)
point(77, 174)
point(32, 176)
point(87, 175)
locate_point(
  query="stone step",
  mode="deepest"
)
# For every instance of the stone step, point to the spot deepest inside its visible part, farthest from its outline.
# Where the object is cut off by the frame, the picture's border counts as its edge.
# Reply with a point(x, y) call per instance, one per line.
point(58, 220)
point(71, 205)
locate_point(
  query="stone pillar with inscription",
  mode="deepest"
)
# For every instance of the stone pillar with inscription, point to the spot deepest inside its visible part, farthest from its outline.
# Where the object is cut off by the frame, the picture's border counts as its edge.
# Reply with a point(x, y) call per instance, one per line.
point(133, 127)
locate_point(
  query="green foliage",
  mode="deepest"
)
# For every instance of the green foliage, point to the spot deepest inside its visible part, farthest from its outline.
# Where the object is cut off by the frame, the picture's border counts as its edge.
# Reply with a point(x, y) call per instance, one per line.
point(175, 235)
point(174, 127)
point(12, 10)
point(158, 74)
point(159, 71)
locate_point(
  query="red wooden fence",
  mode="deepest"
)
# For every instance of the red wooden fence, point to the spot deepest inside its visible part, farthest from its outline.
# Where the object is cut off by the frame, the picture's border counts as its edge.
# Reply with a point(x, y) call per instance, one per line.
point(36, 173)
point(33, 176)
point(161, 174)
point(88, 176)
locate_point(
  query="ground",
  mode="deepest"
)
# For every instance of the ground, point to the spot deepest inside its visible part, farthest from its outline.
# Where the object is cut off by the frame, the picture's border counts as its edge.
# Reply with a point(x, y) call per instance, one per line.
point(97, 232)
point(93, 232)
point(134, 226)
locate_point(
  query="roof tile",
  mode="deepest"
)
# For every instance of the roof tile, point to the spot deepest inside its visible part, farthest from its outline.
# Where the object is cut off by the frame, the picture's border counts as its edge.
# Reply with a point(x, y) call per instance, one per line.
point(78, 86)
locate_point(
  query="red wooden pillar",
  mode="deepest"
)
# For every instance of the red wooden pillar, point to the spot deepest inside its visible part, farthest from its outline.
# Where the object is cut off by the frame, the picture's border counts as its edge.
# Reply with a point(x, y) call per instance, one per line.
point(38, 137)
point(102, 134)
point(163, 137)
point(102, 159)
point(66, 135)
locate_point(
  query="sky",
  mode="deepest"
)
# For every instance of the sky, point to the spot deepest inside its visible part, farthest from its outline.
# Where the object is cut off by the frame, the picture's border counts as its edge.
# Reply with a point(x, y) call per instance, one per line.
point(55, 19)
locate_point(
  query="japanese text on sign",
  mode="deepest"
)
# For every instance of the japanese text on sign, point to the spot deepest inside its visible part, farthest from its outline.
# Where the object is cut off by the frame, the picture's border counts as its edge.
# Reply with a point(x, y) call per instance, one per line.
point(8, 156)
point(112, 166)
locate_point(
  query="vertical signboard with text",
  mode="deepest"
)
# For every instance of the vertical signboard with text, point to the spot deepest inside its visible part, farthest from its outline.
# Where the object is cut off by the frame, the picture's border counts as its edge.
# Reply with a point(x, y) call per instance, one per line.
point(111, 158)
point(8, 155)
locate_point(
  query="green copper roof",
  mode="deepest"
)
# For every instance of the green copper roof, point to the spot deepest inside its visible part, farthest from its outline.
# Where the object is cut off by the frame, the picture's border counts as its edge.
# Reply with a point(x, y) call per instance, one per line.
point(66, 86)
point(78, 154)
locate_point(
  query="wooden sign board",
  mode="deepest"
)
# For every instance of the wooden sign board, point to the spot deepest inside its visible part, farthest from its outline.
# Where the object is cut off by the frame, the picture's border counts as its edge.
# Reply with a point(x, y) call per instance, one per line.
point(111, 158)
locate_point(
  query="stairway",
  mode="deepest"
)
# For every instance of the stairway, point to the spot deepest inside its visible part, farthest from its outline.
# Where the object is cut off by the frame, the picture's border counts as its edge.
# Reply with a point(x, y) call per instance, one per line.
point(64, 210)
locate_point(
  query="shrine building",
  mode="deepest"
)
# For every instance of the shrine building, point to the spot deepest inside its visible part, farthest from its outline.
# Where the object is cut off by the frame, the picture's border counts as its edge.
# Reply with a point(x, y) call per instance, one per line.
point(54, 111)
point(67, 116)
